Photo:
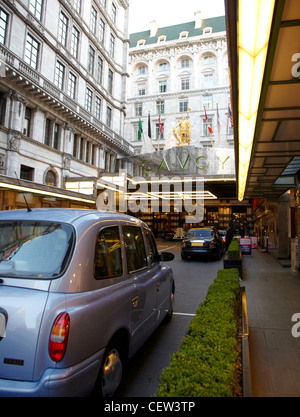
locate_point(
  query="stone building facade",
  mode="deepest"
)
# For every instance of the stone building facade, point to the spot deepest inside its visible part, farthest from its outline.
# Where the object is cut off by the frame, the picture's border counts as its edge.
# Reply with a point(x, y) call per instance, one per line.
point(62, 95)
point(178, 71)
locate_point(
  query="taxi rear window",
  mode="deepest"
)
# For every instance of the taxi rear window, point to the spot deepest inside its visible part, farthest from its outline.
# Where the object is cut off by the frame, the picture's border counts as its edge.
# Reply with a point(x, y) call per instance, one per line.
point(199, 233)
point(34, 249)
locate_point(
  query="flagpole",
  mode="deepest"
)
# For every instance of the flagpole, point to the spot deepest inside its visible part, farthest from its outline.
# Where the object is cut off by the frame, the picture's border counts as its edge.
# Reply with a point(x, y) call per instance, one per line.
point(212, 143)
point(218, 121)
point(207, 122)
point(149, 131)
point(227, 129)
point(140, 132)
point(159, 127)
point(144, 142)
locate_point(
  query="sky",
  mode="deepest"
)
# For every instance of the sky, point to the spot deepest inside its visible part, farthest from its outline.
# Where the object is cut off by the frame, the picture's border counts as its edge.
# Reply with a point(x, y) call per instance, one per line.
point(170, 12)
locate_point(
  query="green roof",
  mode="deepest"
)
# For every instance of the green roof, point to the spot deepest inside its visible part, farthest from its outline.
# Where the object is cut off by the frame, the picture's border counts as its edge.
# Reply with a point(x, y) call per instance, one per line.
point(172, 32)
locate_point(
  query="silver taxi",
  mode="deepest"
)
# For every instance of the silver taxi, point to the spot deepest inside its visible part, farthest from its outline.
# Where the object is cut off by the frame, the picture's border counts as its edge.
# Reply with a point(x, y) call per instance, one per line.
point(80, 292)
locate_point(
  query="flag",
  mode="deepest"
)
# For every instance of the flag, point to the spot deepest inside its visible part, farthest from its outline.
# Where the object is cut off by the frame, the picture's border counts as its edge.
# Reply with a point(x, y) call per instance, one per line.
point(140, 130)
point(208, 125)
point(230, 116)
point(149, 126)
point(161, 132)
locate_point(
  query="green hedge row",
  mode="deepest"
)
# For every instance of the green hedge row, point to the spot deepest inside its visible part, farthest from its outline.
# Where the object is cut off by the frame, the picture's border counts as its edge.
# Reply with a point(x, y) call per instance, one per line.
point(233, 251)
point(206, 363)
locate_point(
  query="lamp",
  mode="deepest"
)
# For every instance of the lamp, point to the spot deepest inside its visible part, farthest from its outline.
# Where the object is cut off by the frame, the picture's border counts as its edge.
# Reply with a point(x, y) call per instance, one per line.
point(254, 27)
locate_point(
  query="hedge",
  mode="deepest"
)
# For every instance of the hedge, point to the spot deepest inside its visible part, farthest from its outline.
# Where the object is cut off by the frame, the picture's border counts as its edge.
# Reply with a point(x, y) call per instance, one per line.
point(233, 251)
point(207, 360)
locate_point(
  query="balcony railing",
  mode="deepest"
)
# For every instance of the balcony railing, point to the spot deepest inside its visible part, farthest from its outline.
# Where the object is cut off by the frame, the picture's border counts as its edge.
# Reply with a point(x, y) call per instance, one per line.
point(16, 64)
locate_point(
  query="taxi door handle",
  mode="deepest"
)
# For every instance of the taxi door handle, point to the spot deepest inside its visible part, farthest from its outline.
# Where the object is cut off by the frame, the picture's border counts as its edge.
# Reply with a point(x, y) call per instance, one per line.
point(135, 301)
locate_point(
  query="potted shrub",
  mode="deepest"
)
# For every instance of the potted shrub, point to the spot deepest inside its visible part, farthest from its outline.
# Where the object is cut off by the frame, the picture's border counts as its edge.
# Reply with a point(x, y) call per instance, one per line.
point(233, 257)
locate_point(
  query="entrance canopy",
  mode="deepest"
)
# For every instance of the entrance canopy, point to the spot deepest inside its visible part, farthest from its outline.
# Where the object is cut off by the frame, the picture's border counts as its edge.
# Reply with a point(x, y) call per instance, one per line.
point(264, 60)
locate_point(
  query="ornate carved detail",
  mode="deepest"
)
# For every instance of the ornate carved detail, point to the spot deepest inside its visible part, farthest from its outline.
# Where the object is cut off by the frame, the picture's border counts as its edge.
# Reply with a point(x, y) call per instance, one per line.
point(14, 143)
point(67, 161)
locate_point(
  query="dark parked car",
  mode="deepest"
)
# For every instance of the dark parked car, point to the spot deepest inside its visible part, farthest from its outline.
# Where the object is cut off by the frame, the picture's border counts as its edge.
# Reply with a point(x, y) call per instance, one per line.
point(169, 235)
point(205, 242)
point(80, 292)
point(223, 234)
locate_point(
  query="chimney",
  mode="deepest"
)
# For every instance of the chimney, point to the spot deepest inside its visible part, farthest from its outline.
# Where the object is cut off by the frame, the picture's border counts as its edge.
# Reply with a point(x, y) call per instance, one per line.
point(153, 28)
point(198, 20)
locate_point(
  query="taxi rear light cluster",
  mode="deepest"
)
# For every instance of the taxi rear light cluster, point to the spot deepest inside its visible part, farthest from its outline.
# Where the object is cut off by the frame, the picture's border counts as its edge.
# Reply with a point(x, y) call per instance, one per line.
point(59, 337)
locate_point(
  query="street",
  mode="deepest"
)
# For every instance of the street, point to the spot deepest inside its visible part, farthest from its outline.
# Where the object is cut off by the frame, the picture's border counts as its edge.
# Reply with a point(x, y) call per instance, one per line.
point(192, 280)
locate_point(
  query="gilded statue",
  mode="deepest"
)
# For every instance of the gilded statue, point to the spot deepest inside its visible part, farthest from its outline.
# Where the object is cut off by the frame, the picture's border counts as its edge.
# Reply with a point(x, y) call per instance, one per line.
point(182, 132)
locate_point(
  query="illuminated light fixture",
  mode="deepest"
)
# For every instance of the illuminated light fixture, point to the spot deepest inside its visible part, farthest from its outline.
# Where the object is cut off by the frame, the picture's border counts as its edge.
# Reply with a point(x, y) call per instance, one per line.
point(254, 27)
point(164, 180)
point(172, 195)
point(83, 187)
point(107, 187)
point(42, 192)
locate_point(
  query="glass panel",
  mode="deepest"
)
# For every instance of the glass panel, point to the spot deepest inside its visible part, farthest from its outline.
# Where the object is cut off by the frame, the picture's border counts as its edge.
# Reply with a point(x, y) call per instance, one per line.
point(38, 250)
point(108, 257)
point(201, 233)
point(151, 247)
point(135, 248)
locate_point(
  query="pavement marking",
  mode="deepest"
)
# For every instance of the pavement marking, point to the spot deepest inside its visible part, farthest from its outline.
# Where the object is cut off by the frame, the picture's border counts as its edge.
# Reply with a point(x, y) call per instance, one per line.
point(170, 247)
point(185, 314)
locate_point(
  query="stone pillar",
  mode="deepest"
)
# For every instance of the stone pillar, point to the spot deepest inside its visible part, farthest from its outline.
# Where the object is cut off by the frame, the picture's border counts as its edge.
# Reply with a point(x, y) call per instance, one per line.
point(293, 229)
point(17, 112)
point(283, 229)
point(66, 142)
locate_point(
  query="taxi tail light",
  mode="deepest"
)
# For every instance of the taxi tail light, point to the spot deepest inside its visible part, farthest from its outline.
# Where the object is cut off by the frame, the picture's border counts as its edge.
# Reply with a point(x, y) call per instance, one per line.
point(59, 337)
point(212, 245)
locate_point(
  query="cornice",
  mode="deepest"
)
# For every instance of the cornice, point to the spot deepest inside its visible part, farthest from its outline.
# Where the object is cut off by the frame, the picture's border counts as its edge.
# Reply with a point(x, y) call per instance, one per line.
point(178, 94)
point(177, 43)
point(177, 50)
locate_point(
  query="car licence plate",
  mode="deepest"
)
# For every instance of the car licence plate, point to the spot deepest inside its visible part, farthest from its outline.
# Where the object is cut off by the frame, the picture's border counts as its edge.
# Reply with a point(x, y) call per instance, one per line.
point(196, 243)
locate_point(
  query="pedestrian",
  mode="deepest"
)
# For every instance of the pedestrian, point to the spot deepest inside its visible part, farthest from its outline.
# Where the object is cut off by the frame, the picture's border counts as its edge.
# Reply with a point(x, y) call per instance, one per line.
point(242, 231)
point(229, 236)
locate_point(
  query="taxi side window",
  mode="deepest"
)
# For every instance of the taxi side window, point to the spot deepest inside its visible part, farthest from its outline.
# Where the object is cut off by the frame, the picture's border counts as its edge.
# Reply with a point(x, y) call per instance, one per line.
point(108, 257)
point(135, 248)
point(152, 247)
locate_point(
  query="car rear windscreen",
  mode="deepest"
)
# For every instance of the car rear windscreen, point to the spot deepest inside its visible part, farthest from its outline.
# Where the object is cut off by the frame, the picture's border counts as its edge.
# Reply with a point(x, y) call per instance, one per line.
point(34, 249)
point(199, 233)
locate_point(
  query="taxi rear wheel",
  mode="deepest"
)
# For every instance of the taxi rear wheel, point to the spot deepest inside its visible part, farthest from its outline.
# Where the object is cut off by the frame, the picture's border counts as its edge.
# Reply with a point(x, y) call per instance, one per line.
point(111, 372)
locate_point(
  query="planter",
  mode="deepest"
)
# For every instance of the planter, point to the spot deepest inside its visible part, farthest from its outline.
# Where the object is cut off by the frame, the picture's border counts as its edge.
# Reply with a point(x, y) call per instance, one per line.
point(237, 262)
point(208, 362)
point(247, 389)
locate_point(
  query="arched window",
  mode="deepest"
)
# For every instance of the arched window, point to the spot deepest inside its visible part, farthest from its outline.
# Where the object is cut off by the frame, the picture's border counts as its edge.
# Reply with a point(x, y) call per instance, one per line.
point(183, 35)
point(50, 178)
point(163, 66)
point(161, 39)
point(207, 31)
